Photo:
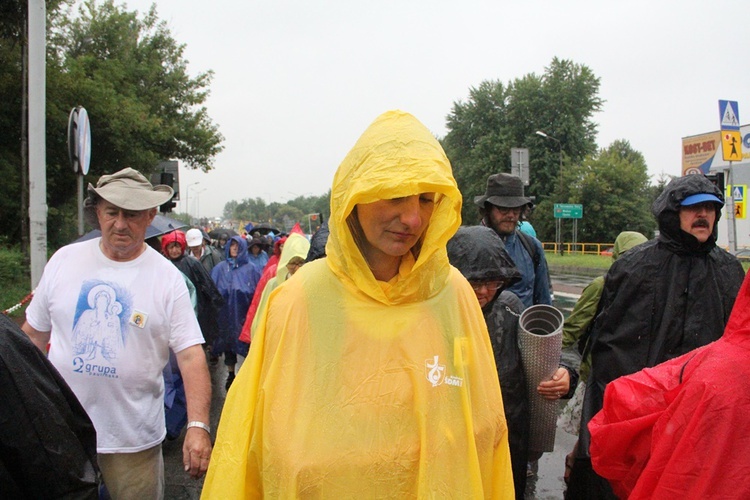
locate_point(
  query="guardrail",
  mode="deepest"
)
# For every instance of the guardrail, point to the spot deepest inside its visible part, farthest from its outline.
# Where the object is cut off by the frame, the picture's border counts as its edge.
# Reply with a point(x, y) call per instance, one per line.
point(579, 248)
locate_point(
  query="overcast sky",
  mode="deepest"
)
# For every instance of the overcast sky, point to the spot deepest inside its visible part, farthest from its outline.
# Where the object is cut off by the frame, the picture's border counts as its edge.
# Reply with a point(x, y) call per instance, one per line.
point(297, 82)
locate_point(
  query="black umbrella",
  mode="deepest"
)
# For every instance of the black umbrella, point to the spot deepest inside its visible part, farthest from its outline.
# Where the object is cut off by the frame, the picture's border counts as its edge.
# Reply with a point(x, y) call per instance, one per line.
point(161, 225)
point(265, 228)
point(215, 233)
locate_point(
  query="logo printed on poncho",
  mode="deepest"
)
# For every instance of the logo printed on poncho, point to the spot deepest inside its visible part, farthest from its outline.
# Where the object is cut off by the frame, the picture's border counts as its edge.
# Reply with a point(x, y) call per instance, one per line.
point(435, 373)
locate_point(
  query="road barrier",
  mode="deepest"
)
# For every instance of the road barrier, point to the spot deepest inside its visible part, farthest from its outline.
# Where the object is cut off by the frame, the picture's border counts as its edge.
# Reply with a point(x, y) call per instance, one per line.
point(580, 248)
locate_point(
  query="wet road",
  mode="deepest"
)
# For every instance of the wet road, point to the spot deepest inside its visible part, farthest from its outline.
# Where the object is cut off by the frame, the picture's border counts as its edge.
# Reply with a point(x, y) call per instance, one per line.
point(546, 485)
point(179, 485)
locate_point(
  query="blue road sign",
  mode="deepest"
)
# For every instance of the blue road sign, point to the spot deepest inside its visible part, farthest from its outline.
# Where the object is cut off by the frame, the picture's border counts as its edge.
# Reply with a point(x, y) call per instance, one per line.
point(729, 115)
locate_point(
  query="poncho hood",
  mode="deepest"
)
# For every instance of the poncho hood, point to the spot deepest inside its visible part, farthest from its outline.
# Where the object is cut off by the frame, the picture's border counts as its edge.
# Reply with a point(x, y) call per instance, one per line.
point(666, 209)
point(625, 241)
point(242, 257)
point(174, 236)
point(296, 246)
point(395, 157)
point(277, 246)
point(480, 255)
point(318, 243)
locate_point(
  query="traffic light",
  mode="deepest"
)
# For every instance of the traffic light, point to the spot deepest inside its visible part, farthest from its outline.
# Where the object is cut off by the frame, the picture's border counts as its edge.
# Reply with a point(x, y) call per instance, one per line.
point(168, 206)
point(718, 180)
point(168, 179)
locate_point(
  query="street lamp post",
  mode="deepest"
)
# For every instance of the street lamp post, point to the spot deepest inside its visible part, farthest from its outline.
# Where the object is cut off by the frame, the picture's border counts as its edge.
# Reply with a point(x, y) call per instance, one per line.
point(559, 145)
point(559, 175)
point(187, 200)
point(198, 204)
point(309, 222)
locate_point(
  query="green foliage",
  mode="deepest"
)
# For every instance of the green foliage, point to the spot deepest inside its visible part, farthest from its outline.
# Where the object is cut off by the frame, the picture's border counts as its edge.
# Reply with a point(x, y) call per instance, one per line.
point(613, 186)
point(498, 117)
point(13, 16)
point(558, 263)
point(281, 215)
point(129, 74)
point(251, 210)
point(14, 277)
point(229, 208)
point(287, 215)
point(181, 216)
point(656, 189)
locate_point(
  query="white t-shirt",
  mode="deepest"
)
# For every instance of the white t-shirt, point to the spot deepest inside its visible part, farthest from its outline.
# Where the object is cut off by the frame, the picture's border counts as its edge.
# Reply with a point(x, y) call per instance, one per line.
point(112, 324)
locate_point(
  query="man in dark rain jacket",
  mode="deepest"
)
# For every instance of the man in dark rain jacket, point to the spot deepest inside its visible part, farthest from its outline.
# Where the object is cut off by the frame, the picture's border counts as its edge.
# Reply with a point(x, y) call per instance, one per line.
point(661, 299)
point(210, 300)
point(480, 255)
point(47, 441)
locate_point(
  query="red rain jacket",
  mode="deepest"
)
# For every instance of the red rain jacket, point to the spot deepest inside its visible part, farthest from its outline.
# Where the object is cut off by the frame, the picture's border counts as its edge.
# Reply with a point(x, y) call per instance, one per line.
point(680, 429)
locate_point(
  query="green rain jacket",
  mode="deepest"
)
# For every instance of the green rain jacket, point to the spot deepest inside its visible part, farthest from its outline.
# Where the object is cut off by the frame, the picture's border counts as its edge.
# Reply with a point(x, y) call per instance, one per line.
point(577, 325)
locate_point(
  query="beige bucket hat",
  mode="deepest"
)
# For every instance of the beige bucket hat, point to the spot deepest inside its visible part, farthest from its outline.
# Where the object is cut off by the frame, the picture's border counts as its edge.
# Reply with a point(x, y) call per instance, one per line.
point(130, 190)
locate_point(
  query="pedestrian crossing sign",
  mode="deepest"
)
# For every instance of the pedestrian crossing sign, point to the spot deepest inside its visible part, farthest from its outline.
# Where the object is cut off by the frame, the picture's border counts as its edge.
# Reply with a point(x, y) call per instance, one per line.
point(739, 209)
point(729, 114)
point(736, 192)
point(731, 145)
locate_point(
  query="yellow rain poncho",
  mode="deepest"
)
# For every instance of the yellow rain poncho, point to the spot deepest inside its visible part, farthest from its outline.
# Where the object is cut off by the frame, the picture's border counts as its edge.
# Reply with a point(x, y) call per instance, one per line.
point(355, 388)
point(296, 245)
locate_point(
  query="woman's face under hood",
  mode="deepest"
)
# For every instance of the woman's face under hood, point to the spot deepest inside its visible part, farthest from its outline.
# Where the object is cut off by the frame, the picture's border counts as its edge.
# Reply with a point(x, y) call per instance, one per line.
point(396, 158)
point(241, 256)
point(391, 228)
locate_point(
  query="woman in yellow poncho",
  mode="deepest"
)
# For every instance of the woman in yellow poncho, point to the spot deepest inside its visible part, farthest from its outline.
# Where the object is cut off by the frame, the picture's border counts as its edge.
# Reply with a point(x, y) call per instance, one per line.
point(296, 245)
point(371, 374)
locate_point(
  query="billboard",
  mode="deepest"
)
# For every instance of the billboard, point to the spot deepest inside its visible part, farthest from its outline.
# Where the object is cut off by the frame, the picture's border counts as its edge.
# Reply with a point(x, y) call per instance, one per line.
point(703, 153)
point(698, 152)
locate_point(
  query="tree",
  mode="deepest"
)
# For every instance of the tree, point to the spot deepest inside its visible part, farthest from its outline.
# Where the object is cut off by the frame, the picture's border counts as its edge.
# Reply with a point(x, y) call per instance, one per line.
point(661, 183)
point(252, 210)
point(287, 216)
point(130, 75)
point(13, 147)
point(229, 208)
point(498, 117)
point(613, 187)
point(281, 215)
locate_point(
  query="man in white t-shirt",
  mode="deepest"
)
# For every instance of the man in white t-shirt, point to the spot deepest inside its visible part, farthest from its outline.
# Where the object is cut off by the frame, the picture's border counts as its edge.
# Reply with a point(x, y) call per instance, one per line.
point(110, 309)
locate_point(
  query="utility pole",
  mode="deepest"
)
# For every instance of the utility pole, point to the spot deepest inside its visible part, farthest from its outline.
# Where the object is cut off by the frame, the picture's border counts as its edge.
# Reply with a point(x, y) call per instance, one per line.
point(37, 134)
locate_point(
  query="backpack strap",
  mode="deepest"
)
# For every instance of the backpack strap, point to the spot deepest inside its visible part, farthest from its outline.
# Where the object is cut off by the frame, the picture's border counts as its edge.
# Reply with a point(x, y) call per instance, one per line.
point(528, 244)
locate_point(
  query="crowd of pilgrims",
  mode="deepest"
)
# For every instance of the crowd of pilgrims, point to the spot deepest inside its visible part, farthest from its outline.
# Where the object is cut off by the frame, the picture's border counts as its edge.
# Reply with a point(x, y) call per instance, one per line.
point(364, 344)
point(228, 278)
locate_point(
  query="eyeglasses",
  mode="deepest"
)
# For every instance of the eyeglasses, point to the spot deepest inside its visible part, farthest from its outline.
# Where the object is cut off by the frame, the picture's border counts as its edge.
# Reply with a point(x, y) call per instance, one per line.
point(508, 210)
point(491, 286)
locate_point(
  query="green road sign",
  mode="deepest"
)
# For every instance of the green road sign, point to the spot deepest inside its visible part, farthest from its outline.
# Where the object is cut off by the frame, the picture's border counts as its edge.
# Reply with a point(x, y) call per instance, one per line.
point(568, 211)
